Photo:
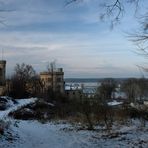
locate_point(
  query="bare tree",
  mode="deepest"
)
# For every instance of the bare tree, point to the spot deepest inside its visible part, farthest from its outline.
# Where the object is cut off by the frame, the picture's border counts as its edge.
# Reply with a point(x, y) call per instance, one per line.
point(86, 108)
point(104, 94)
point(22, 81)
point(51, 67)
point(106, 89)
point(113, 11)
point(140, 38)
point(131, 89)
point(135, 89)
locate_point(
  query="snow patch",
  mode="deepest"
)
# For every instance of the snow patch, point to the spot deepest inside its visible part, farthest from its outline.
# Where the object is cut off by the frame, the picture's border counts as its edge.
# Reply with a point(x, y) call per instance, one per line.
point(21, 102)
point(114, 103)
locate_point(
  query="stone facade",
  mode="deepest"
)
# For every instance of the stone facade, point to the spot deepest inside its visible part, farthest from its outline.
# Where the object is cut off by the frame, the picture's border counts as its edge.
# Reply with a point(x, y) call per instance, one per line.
point(53, 79)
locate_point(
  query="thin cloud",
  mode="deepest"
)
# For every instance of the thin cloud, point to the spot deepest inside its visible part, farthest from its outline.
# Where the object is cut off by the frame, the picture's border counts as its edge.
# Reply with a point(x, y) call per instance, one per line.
point(39, 31)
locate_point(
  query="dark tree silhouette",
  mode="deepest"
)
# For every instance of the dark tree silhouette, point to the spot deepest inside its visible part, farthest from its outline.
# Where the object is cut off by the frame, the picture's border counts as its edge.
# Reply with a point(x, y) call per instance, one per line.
point(135, 89)
point(106, 89)
point(23, 81)
point(111, 10)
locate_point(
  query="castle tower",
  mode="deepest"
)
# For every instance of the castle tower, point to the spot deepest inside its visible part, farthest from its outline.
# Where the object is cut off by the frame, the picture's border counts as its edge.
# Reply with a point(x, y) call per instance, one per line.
point(53, 79)
point(2, 72)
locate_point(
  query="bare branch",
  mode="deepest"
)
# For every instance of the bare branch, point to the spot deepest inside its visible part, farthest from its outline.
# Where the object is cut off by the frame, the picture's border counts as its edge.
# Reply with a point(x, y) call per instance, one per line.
point(2, 21)
point(68, 2)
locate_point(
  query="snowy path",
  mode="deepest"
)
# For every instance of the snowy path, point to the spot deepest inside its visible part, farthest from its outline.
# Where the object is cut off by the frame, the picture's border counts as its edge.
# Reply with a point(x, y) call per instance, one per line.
point(21, 102)
point(36, 135)
point(33, 134)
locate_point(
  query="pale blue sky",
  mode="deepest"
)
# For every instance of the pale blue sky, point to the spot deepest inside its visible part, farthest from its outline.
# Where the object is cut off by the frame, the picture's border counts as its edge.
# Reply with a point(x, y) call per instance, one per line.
point(39, 31)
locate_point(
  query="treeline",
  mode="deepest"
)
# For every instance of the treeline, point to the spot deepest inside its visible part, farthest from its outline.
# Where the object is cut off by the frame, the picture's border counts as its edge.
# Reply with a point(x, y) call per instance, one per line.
point(95, 110)
point(132, 89)
point(90, 110)
point(24, 82)
point(135, 89)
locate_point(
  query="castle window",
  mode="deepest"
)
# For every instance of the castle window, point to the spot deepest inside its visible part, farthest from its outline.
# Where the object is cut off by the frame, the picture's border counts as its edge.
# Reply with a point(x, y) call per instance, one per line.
point(59, 79)
point(49, 79)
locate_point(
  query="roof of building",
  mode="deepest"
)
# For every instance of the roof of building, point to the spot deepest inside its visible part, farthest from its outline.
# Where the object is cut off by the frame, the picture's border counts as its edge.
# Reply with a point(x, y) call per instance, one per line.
point(55, 71)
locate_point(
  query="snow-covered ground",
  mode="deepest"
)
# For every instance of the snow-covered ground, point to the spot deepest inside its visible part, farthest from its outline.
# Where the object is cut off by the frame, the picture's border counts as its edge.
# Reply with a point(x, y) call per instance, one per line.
point(33, 134)
point(114, 103)
point(13, 107)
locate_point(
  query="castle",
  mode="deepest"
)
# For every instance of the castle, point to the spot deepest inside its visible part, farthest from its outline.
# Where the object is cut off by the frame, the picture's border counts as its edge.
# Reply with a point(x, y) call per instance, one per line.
point(53, 79)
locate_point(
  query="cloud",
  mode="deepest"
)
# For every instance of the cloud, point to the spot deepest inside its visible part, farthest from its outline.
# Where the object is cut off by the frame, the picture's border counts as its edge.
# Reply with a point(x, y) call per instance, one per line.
point(78, 53)
point(39, 31)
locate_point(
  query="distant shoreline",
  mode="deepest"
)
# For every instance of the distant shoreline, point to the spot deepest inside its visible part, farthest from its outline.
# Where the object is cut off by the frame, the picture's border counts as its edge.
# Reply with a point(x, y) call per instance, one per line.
point(89, 80)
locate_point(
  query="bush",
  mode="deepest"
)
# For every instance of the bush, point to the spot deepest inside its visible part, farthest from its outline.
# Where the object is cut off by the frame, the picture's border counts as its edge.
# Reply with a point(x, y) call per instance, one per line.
point(3, 126)
point(40, 110)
